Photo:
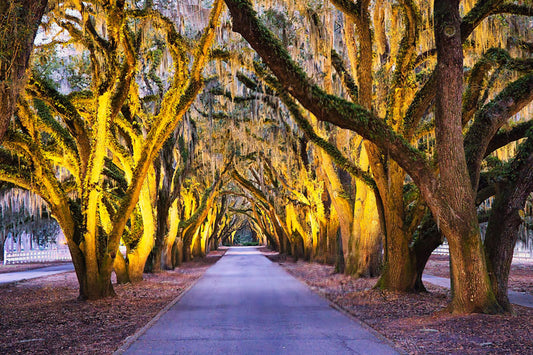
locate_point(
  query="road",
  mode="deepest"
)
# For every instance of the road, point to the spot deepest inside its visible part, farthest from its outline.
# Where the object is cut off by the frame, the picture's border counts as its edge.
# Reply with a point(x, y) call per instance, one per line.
point(245, 304)
point(521, 298)
point(32, 274)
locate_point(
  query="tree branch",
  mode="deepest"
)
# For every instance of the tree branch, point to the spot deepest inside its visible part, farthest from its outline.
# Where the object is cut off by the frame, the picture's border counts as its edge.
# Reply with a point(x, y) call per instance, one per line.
point(325, 107)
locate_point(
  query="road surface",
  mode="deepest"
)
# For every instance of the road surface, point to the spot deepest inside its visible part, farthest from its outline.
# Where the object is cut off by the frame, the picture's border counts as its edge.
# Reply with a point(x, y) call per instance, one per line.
point(521, 298)
point(246, 304)
point(32, 274)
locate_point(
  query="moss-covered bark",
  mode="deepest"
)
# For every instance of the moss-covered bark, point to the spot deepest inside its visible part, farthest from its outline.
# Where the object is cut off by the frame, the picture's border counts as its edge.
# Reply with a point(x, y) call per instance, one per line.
point(94, 219)
point(19, 21)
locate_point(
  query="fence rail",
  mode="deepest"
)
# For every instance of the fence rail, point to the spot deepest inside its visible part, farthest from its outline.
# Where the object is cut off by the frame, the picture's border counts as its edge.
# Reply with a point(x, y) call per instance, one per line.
point(519, 254)
point(35, 256)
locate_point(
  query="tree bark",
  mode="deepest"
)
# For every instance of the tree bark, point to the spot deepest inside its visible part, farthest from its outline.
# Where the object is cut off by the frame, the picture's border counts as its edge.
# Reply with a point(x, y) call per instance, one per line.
point(427, 240)
point(19, 22)
point(449, 195)
point(399, 272)
point(471, 288)
point(504, 223)
point(367, 236)
point(121, 270)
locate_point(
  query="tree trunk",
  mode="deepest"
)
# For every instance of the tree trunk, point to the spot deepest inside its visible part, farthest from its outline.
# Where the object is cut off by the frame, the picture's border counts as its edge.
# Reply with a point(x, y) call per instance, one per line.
point(19, 21)
point(94, 284)
point(121, 269)
point(471, 287)
point(366, 239)
point(154, 263)
point(500, 240)
point(2, 242)
point(96, 288)
point(399, 272)
point(332, 232)
point(503, 226)
point(343, 209)
point(176, 254)
point(455, 208)
point(428, 239)
point(138, 256)
point(504, 220)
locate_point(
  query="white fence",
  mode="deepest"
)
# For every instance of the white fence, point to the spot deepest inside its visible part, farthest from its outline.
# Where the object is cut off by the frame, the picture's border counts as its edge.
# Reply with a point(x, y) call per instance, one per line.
point(36, 256)
point(519, 253)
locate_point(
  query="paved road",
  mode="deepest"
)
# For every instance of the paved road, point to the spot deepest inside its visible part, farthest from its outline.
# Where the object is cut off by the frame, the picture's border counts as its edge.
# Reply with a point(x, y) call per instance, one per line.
point(245, 304)
point(9, 277)
point(521, 298)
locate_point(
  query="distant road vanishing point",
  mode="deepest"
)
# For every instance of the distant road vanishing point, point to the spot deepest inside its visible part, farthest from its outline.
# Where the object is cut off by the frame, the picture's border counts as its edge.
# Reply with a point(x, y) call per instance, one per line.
point(246, 304)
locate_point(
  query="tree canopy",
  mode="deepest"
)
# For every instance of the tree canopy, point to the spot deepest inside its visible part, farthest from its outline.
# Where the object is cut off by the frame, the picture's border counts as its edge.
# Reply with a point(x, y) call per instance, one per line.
point(361, 133)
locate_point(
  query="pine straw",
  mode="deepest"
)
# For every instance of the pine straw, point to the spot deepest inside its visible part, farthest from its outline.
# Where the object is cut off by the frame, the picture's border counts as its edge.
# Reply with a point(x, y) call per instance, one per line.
point(416, 323)
point(43, 316)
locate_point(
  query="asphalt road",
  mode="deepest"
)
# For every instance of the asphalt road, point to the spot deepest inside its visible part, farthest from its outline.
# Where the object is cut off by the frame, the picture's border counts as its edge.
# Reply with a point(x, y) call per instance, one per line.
point(245, 304)
point(521, 298)
point(32, 274)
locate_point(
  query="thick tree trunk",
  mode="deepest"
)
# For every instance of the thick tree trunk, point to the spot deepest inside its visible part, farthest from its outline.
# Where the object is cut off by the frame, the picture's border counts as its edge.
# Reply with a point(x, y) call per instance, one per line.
point(138, 256)
point(19, 21)
point(455, 208)
point(332, 232)
point(176, 254)
point(399, 272)
point(366, 239)
point(97, 288)
point(428, 239)
point(471, 287)
point(343, 209)
point(504, 223)
point(500, 240)
point(167, 257)
point(154, 263)
point(121, 269)
point(197, 242)
point(94, 284)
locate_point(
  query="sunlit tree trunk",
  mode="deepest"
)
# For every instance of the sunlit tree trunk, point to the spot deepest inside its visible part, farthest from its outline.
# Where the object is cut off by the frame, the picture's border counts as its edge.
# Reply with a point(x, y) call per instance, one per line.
point(332, 233)
point(121, 270)
point(367, 233)
point(343, 209)
point(367, 230)
point(399, 272)
point(138, 256)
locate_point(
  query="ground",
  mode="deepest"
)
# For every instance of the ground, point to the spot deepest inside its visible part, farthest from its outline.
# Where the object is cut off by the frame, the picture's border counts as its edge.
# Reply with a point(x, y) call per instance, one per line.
point(520, 279)
point(42, 316)
point(418, 323)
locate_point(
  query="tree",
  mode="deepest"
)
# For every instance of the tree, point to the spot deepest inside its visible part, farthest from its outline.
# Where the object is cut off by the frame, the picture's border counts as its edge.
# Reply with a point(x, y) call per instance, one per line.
point(457, 220)
point(78, 140)
point(19, 22)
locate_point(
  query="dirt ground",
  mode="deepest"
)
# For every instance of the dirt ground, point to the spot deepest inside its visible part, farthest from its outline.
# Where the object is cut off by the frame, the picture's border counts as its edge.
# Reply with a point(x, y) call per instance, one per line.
point(418, 323)
point(43, 316)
